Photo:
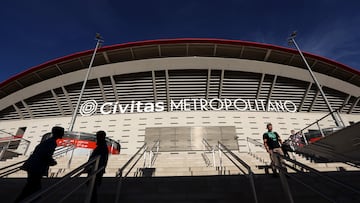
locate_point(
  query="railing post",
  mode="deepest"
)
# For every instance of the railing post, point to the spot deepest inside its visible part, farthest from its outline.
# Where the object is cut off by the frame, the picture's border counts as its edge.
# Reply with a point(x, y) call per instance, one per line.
point(252, 183)
point(337, 113)
point(303, 135)
point(27, 147)
point(150, 158)
point(283, 179)
point(144, 160)
point(247, 140)
point(4, 150)
point(213, 155)
point(158, 146)
point(118, 189)
point(318, 125)
point(220, 157)
point(92, 181)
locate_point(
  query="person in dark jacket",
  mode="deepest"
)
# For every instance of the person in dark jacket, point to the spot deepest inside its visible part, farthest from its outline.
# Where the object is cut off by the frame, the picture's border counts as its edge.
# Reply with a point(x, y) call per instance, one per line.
point(37, 165)
point(102, 151)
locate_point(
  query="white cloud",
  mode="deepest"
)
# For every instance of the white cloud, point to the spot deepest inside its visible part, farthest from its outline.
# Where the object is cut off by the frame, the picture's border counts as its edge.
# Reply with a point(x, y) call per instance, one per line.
point(337, 40)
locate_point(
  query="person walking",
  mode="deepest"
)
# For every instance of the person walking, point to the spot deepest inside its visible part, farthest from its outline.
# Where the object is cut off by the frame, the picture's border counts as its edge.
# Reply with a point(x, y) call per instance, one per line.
point(37, 165)
point(102, 151)
point(272, 144)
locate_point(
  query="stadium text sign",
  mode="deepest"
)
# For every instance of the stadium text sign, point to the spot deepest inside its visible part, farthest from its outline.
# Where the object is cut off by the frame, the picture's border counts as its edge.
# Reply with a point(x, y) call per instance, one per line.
point(89, 107)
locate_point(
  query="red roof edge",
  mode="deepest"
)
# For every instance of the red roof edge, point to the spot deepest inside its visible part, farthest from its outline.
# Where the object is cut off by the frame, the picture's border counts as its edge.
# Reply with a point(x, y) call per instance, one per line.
point(177, 41)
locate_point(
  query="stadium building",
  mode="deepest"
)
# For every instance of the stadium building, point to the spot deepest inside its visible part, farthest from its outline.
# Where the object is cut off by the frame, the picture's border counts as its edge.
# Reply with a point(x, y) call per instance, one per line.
point(179, 90)
point(195, 110)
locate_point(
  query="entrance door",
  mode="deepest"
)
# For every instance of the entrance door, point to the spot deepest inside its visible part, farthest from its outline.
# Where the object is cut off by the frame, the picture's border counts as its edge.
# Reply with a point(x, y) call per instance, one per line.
point(190, 138)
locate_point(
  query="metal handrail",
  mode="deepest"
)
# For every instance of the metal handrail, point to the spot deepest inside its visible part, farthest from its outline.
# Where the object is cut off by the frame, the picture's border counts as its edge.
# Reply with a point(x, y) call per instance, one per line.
point(312, 170)
point(300, 132)
point(207, 145)
point(206, 159)
point(10, 140)
point(13, 168)
point(210, 149)
point(67, 179)
point(152, 155)
point(15, 139)
point(250, 174)
point(255, 142)
point(156, 144)
point(280, 165)
point(321, 175)
point(120, 171)
point(282, 170)
point(339, 158)
point(63, 150)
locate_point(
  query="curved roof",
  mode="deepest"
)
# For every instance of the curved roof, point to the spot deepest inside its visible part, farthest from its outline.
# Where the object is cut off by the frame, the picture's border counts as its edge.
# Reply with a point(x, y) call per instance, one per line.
point(178, 48)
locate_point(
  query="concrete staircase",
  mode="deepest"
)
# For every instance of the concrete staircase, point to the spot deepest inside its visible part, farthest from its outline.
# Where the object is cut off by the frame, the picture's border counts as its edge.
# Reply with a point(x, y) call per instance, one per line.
point(191, 189)
point(13, 160)
point(181, 164)
point(194, 189)
point(186, 177)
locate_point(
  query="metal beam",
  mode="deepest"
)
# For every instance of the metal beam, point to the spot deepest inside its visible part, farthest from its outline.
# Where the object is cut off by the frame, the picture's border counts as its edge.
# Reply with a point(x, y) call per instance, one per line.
point(82, 63)
point(215, 47)
point(58, 102)
point(354, 105)
point(267, 55)
point(154, 85)
point(102, 89)
point(241, 52)
point(27, 108)
point(271, 89)
point(344, 104)
point(305, 96)
point(38, 76)
point(221, 83)
point(132, 53)
point(291, 59)
point(18, 111)
point(68, 99)
point(19, 83)
point(260, 85)
point(114, 87)
point(106, 57)
point(351, 78)
point(59, 69)
point(336, 117)
point(167, 89)
point(331, 71)
point(315, 62)
point(314, 101)
point(159, 49)
point(2, 91)
point(208, 84)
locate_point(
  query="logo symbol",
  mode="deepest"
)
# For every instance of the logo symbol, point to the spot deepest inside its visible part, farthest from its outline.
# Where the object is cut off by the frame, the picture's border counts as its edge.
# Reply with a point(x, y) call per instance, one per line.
point(88, 108)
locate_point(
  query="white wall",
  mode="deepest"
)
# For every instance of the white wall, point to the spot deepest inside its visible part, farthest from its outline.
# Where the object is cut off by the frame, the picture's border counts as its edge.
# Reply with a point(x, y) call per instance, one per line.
point(130, 128)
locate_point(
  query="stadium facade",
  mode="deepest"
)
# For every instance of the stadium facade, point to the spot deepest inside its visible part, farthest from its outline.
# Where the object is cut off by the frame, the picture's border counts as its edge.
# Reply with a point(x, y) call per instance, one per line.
point(179, 91)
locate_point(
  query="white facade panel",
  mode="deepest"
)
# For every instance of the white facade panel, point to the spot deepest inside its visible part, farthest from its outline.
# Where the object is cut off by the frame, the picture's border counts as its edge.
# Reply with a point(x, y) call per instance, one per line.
point(130, 128)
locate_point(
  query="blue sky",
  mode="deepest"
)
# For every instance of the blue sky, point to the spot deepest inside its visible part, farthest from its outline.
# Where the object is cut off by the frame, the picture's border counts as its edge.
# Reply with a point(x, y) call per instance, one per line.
point(36, 31)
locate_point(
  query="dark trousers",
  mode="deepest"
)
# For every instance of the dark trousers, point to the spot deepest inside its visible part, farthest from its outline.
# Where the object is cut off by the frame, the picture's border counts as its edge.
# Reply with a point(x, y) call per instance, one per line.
point(94, 197)
point(33, 185)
